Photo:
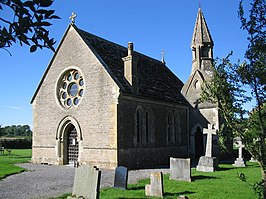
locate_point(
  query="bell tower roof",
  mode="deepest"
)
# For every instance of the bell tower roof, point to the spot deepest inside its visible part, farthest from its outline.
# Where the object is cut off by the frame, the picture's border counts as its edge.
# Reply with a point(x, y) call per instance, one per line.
point(201, 34)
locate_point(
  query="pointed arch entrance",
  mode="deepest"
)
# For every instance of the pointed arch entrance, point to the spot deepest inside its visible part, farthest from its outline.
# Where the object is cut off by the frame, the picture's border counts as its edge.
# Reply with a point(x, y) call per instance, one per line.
point(198, 143)
point(72, 147)
point(69, 142)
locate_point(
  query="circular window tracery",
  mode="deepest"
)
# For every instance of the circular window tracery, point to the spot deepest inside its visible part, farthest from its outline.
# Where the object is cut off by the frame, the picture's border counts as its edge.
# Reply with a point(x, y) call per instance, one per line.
point(71, 88)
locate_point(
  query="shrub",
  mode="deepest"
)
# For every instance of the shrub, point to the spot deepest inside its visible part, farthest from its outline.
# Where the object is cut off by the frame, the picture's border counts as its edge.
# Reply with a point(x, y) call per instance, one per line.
point(16, 143)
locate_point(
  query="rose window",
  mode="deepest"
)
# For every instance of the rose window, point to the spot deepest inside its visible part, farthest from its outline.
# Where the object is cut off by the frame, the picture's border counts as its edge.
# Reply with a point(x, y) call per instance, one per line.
point(71, 88)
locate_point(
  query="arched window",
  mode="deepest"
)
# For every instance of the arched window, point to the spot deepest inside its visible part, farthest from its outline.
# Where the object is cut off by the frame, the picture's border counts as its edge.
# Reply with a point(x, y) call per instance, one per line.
point(144, 127)
point(170, 127)
point(177, 128)
point(147, 129)
point(139, 125)
point(173, 131)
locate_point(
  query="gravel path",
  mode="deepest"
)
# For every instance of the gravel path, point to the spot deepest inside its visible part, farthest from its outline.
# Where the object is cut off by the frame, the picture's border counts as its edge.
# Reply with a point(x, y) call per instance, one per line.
point(47, 181)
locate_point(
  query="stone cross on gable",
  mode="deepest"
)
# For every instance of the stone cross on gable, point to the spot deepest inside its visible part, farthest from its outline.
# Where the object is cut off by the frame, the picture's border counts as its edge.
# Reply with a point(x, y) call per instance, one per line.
point(73, 17)
point(210, 131)
point(163, 53)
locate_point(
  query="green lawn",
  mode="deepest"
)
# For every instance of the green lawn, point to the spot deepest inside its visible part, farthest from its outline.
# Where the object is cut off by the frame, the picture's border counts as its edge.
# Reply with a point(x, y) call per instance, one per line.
point(7, 161)
point(222, 184)
point(217, 185)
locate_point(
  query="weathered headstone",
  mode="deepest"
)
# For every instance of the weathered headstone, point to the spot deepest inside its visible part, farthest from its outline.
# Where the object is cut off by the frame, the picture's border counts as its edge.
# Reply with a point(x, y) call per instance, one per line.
point(121, 176)
point(180, 169)
point(156, 186)
point(208, 163)
point(253, 160)
point(86, 183)
point(239, 162)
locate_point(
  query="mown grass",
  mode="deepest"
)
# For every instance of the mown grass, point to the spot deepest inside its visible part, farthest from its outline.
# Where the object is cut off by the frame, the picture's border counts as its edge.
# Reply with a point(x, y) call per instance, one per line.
point(222, 184)
point(7, 161)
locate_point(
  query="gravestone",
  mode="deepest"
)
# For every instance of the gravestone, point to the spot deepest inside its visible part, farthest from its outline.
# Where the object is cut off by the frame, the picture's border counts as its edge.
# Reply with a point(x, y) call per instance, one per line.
point(156, 186)
point(208, 163)
point(180, 169)
point(121, 176)
point(86, 183)
point(239, 162)
point(253, 160)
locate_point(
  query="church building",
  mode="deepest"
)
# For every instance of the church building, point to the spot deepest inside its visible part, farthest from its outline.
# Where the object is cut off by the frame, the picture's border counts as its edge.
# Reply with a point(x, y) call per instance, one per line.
point(103, 104)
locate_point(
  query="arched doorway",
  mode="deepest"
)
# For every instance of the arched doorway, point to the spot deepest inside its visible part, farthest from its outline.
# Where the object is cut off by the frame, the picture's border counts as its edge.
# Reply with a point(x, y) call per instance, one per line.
point(72, 145)
point(68, 141)
point(198, 143)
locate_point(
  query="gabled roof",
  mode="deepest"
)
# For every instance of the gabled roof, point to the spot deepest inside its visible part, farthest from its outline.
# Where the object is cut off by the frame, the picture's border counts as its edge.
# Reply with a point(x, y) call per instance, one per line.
point(201, 32)
point(156, 81)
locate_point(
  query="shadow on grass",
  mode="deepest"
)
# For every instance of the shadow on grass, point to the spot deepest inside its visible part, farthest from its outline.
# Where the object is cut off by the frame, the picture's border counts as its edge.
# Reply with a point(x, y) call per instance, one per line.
point(130, 198)
point(137, 188)
point(225, 168)
point(201, 177)
point(179, 193)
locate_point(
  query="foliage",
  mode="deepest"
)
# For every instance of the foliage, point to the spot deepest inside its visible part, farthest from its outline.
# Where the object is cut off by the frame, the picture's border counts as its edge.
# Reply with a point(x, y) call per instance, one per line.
point(16, 143)
point(26, 22)
point(257, 186)
point(15, 131)
point(253, 74)
point(226, 89)
point(7, 161)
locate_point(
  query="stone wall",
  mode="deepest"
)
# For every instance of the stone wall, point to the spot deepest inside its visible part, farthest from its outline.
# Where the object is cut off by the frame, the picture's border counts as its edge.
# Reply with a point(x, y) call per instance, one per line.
point(158, 150)
point(96, 114)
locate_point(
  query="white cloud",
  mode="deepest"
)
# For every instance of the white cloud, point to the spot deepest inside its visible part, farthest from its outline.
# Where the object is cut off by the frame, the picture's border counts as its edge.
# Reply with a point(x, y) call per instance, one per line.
point(11, 107)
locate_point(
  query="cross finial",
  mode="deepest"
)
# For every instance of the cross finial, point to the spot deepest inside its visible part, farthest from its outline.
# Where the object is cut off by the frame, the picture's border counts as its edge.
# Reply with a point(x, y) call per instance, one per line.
point(199, 4)
point(73, 17)
point(163, 53)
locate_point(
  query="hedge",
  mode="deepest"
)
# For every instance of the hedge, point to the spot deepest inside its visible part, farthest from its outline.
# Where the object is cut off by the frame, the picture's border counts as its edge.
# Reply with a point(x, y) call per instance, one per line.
point(16, 143)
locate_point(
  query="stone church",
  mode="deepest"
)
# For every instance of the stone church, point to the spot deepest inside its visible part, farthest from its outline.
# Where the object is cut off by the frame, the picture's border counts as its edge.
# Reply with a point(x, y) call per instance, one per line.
point(107, 105)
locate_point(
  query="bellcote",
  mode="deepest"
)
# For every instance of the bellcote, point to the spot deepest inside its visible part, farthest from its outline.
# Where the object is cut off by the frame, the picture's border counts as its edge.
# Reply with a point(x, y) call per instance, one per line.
point(201, 44)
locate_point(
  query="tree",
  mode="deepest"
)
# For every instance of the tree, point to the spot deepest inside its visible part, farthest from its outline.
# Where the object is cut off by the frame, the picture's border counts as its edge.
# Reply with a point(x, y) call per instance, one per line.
point(26, 22)
point(253, 74)
point(226, 88)
point(226, 91)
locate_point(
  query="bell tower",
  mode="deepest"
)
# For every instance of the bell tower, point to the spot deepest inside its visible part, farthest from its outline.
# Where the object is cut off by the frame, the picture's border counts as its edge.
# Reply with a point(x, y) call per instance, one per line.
point(202, 60)
point(204, 113)
point(201, 45)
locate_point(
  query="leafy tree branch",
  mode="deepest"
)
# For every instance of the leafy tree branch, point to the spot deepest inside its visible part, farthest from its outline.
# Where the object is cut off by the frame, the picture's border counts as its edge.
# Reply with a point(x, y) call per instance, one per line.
point(27, 25)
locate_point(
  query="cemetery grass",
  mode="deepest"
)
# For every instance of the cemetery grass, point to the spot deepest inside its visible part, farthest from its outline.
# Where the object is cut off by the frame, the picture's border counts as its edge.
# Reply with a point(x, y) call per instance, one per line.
point(7, 161)
point(222, 184)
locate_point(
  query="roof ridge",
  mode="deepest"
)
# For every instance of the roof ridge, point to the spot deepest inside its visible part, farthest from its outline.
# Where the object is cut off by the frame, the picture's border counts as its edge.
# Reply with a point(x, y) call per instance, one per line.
point(119, 45)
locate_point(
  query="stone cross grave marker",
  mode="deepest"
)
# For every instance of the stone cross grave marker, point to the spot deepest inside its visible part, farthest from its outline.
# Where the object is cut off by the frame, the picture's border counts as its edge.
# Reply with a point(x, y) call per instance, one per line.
point(180, 169)
point(239, 161)
point(156, 186)
point(210, 131)
point(86, 183)
point(208, 163)
point(121, 176)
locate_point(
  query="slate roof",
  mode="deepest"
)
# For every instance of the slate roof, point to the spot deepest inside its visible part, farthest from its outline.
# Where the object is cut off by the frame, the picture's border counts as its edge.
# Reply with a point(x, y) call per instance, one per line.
point(156, 81)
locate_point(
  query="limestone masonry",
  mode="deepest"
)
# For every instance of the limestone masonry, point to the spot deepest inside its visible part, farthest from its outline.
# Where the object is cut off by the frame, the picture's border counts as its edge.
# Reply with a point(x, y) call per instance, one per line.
point(102, 104)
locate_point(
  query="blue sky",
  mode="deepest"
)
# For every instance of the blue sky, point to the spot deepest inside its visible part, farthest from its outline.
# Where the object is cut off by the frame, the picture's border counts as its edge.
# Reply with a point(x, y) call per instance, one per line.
point(152, 25)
